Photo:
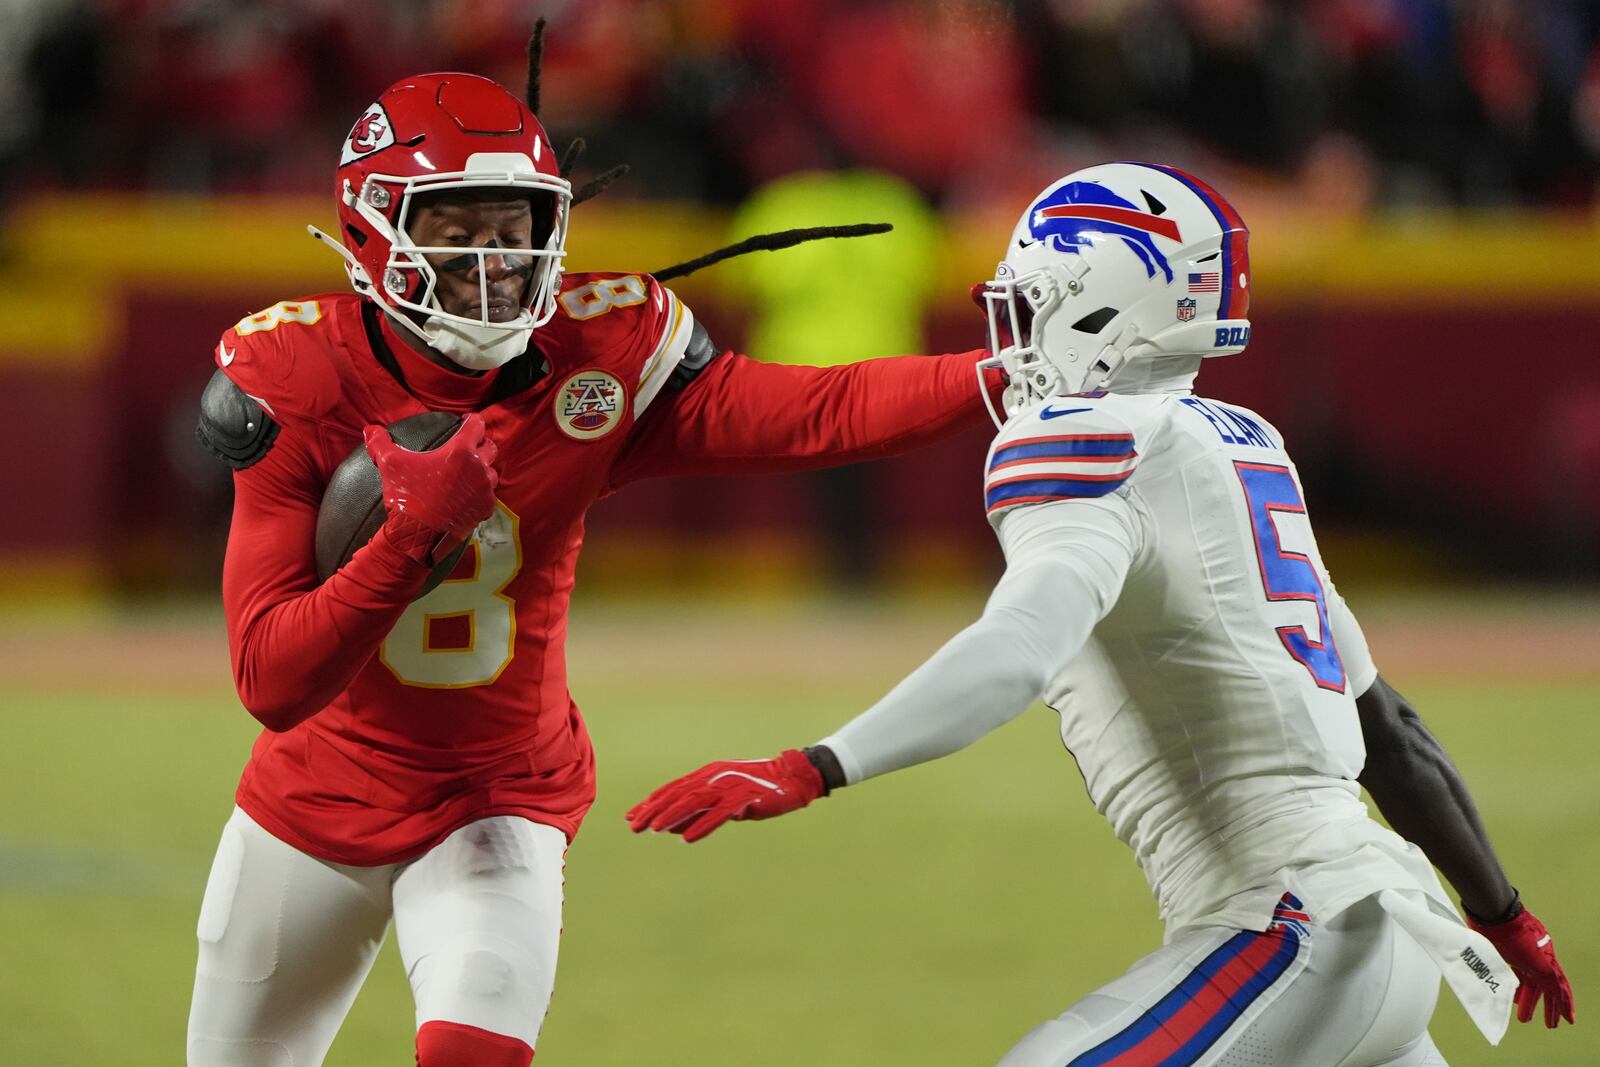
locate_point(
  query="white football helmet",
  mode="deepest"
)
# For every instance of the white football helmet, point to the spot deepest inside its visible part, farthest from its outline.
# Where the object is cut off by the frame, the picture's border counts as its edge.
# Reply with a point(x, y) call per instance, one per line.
point(1121, 277)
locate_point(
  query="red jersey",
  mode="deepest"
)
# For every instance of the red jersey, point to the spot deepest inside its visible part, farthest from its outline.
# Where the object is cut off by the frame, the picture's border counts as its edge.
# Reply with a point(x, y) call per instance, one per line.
point(394, 719)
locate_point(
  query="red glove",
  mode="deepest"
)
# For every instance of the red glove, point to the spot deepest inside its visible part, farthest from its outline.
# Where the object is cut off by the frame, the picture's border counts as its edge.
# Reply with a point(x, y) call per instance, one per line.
point(1525, 944)
point(698, 803)
point(448, 490)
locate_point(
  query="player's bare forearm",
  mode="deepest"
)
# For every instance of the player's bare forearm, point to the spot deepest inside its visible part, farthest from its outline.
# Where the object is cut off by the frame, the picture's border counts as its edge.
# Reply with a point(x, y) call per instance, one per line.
point(741, 416)
point(1421, 793)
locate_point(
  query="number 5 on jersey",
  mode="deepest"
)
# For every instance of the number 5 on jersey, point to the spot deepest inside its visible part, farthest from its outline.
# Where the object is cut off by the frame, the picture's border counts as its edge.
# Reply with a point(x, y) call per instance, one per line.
point(1288, 575)
point(463, 633)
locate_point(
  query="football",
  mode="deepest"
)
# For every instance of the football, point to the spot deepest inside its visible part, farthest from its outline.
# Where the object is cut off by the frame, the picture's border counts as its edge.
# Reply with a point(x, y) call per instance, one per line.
point(352, 504)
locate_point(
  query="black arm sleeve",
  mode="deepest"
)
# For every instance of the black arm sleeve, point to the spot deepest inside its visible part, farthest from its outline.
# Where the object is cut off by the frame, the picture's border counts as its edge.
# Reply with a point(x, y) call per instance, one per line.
point(697, 354)
point(1416, 787)
point(827, 765)
point(233, 427)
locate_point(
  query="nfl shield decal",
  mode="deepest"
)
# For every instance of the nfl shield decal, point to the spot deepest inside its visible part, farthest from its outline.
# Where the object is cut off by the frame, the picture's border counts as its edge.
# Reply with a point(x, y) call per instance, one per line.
point(589, 405)
point(1185, 308)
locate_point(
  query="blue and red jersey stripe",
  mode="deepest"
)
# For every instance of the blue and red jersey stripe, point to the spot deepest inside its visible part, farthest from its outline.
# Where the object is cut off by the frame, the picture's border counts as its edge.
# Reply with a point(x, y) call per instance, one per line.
point(1038, 490)
point(1179, 1028)
point(1091, 447)
point(1235, 247)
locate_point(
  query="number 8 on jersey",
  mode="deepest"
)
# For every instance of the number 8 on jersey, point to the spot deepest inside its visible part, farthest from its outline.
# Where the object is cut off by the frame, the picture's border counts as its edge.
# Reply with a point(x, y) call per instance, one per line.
point(464, 632)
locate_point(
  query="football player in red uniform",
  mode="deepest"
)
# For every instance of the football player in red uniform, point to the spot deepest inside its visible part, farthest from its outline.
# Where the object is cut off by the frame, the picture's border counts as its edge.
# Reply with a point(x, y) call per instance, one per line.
point(422, 759)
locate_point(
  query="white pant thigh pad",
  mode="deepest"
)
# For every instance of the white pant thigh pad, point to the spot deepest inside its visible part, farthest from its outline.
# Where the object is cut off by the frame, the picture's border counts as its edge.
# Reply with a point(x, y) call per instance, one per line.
point(478, 920)
point(286, 940)
point(1355, 992)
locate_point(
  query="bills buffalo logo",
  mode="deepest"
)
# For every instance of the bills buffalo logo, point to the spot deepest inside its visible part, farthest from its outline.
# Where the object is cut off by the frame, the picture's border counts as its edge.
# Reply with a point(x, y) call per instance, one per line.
point(1078, 214)
point(1290, 917)
point(589, 404)
point(371, 132)
point(1185, 308)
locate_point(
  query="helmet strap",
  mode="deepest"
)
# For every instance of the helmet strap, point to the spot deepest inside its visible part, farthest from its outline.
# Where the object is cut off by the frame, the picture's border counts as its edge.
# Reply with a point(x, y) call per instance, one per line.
point(478, 347)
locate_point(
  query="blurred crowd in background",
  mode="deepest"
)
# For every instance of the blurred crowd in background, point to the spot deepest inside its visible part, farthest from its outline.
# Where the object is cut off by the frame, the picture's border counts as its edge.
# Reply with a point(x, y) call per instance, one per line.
point(1379, 148)
point(1358, 104)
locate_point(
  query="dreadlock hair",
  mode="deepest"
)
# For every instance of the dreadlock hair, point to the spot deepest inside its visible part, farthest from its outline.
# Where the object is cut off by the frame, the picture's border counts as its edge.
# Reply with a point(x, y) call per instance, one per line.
point(535, 63)
point(569, 159)
point(598, 184)
point(768, 242)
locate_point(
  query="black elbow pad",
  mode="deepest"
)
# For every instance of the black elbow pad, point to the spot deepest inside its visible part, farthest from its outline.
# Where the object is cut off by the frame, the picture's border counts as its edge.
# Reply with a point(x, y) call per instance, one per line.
point(233, 427)
point(697, 355)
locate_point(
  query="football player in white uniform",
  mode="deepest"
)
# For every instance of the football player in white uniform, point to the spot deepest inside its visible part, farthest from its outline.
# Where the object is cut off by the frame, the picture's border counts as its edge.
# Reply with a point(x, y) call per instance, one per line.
point(1164, 594)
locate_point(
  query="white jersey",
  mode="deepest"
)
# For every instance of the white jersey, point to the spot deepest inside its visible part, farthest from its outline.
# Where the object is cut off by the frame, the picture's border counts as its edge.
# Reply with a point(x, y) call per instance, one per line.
point(1164, 593)
point(1214, 702)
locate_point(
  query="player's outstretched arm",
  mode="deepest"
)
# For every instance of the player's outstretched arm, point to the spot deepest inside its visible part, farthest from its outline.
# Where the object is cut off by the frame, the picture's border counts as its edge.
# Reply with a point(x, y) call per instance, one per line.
point(1067, 564)
point(1419, 790)
point(741, 416)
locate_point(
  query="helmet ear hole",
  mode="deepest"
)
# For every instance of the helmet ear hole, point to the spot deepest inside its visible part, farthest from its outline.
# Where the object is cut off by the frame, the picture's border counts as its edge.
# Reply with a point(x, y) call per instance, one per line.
point(1095, 321)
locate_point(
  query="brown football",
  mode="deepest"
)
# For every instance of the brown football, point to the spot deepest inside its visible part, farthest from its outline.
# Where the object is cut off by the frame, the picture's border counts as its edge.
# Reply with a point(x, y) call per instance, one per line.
point(352, 504)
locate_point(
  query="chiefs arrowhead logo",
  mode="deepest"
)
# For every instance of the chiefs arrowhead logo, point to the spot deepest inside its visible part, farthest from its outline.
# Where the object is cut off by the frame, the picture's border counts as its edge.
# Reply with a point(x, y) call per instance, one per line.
point(371, 132)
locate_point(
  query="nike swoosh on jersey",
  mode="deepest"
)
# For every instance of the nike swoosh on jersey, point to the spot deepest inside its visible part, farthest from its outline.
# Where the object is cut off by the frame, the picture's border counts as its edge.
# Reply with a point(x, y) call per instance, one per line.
point(1050, 413)
point(224, 355)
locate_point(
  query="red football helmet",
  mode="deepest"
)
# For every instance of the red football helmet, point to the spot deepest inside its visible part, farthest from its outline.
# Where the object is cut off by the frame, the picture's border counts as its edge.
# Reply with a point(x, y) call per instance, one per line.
point(447, 131)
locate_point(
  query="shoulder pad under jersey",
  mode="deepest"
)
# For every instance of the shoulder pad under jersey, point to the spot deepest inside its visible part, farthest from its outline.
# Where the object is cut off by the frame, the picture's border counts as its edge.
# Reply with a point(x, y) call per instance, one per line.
point(697, 355)
point(233, 426)
point(1068, 448)
point(287, 357)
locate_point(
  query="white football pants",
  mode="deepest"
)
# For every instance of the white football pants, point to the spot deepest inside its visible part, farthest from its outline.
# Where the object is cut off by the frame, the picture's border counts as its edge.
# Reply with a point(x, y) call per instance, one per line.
point(286, 939)
point(1356, 991)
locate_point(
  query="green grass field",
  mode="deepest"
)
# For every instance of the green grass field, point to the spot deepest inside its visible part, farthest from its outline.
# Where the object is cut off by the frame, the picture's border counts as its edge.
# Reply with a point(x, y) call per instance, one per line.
point(929, 918)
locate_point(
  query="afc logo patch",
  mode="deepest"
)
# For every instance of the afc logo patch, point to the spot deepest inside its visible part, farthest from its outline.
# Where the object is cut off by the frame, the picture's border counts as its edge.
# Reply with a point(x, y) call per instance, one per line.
point(371, 132)
point(1185, 308)
point(589, 405)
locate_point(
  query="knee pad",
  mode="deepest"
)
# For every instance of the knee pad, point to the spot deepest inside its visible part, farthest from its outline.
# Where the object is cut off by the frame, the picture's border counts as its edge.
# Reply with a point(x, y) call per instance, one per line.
point(204, 1051)
point(446, 1044)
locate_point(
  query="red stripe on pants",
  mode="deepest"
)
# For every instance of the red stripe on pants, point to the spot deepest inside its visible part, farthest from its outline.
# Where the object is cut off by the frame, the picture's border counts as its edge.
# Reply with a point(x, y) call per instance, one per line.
point(1212, 998)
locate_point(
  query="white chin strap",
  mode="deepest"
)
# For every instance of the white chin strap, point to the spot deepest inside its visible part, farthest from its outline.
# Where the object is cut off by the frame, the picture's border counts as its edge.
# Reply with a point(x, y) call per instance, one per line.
point(477, 347)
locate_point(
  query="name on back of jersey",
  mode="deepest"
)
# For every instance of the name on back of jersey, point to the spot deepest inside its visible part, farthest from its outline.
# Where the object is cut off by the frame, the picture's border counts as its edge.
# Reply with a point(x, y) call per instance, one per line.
point(1232, 425)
